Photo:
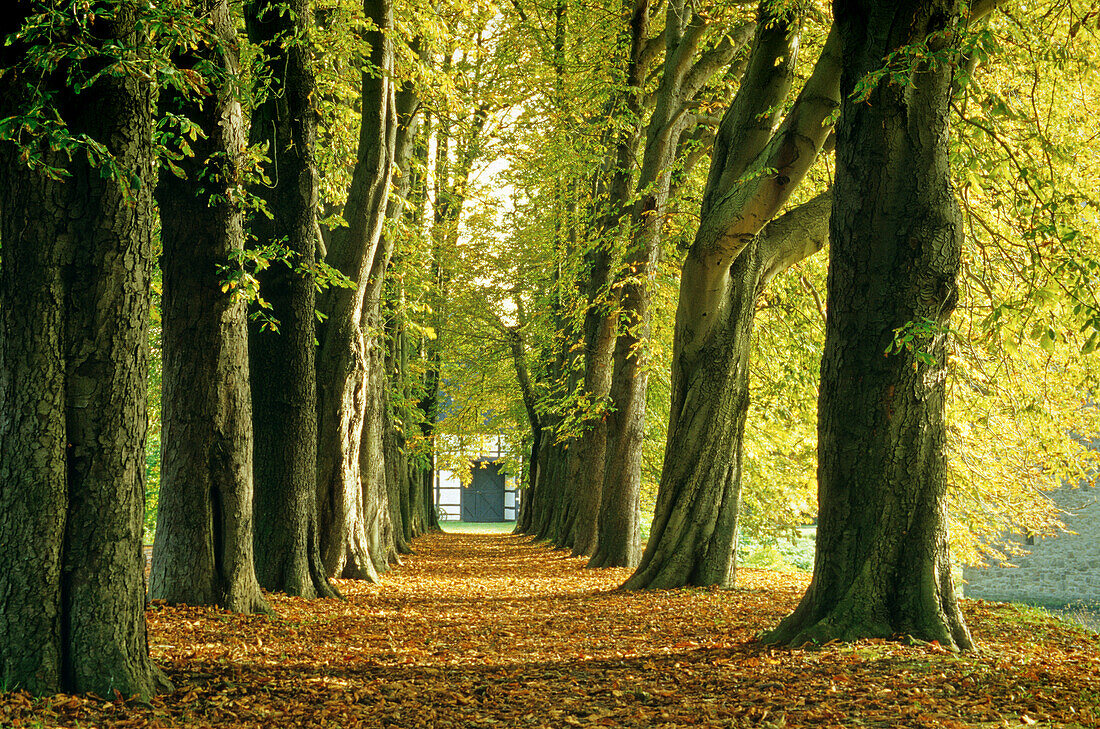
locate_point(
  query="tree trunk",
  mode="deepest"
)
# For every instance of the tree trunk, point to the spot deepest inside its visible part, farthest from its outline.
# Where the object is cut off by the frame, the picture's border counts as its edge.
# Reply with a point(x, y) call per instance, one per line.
point(734, 255)
point(693, 540)
point(74, 309)
point(882, 566)
point(344, 396)
point(589, 448)
point(203, 549)
point(422, 464)
point(534, 419)
point(374, 472)
point(281, 364)
point(618, 542)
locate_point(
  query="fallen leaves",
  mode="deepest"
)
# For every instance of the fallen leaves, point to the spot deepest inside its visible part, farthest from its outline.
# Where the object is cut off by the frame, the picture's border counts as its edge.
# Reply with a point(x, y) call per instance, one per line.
point(480, 630)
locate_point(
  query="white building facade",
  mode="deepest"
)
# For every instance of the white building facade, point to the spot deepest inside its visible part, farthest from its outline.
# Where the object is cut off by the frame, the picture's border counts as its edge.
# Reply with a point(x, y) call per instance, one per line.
point(490, 494)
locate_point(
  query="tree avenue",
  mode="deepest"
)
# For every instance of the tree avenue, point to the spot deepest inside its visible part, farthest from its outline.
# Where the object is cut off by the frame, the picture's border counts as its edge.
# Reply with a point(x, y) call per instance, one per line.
point(394, 231)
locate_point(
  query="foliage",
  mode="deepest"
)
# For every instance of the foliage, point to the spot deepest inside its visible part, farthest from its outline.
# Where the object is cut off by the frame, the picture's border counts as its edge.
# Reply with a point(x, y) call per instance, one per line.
point(1023, 381)
point(152, 443)
point(58, 39)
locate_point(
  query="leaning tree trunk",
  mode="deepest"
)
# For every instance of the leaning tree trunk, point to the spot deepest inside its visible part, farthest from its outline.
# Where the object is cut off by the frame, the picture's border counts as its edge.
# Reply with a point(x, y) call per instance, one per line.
point(203, 549)
point(882, 566)
point(75, 278)
point(684, 74)
point(281, 363)
point(693, 540)
point(693, 537)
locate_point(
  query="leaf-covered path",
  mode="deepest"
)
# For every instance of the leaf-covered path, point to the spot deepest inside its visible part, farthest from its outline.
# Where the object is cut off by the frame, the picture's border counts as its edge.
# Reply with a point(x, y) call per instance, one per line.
point(491, 630)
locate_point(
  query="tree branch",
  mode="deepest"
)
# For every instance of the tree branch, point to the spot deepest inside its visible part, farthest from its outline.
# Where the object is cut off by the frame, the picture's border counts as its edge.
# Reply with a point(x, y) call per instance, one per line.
point(714, 59)
point(736, 214)
point(795, 235)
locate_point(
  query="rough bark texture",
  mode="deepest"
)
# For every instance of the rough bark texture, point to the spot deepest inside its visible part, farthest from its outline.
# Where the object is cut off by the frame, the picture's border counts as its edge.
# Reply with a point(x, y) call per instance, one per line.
point(345, 382)
point(281, 364)
point(693, 537)
point(74, 307)
point(882, 566)
point(203, 549)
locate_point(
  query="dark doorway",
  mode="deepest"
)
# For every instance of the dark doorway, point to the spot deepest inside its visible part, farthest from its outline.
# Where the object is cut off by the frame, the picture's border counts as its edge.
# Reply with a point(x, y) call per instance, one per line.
point(483, 499)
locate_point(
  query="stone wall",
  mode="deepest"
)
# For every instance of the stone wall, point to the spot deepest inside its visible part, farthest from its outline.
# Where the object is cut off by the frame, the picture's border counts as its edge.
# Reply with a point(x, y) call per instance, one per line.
point(1056, 570)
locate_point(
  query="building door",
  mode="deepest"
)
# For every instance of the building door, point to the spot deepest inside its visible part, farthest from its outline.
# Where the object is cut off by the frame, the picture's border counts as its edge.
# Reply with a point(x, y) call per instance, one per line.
point(483, 500)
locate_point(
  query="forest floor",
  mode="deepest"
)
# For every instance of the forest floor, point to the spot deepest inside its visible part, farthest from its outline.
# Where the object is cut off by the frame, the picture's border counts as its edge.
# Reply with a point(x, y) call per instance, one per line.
point(494, 631)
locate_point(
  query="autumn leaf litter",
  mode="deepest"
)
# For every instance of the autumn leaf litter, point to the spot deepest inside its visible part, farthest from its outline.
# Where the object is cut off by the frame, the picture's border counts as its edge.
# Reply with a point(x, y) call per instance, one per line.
point(494, 630)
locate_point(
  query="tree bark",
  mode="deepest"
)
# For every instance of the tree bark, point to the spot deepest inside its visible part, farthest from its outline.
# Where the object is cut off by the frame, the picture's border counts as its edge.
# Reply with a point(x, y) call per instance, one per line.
point(281, 364)
point(345, 398)
point(74, 309)
point(882, 566)
point(203, 549)
point(694, 542)
point(693, 537)
point(374, 470)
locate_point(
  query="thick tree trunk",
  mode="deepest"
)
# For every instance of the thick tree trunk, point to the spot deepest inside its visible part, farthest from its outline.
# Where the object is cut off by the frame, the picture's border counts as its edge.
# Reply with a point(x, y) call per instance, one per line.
point(549, 495)
point(618, 540)
point(693, 537)
point(345, 399)
point(203, 549)
point(588, 450)
point(882, 566)
point(281, 364)
point(693, 540)
point(74, 305)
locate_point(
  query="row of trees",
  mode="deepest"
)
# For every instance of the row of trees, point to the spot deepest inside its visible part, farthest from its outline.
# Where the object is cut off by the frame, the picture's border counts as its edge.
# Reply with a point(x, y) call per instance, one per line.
point(330, 287)
point(294, 445)
point(765, 207)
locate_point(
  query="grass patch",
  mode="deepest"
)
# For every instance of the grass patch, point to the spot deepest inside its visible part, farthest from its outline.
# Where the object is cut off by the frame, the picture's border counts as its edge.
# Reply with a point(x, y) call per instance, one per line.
point(474, 527)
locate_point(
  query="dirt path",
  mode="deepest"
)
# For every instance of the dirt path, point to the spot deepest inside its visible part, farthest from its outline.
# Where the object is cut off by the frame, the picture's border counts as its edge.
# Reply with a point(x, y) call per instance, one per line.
point(493, 631)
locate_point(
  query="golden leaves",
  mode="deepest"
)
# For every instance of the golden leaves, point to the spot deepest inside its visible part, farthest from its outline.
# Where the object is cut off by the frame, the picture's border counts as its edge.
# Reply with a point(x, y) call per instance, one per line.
point(492, 630)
